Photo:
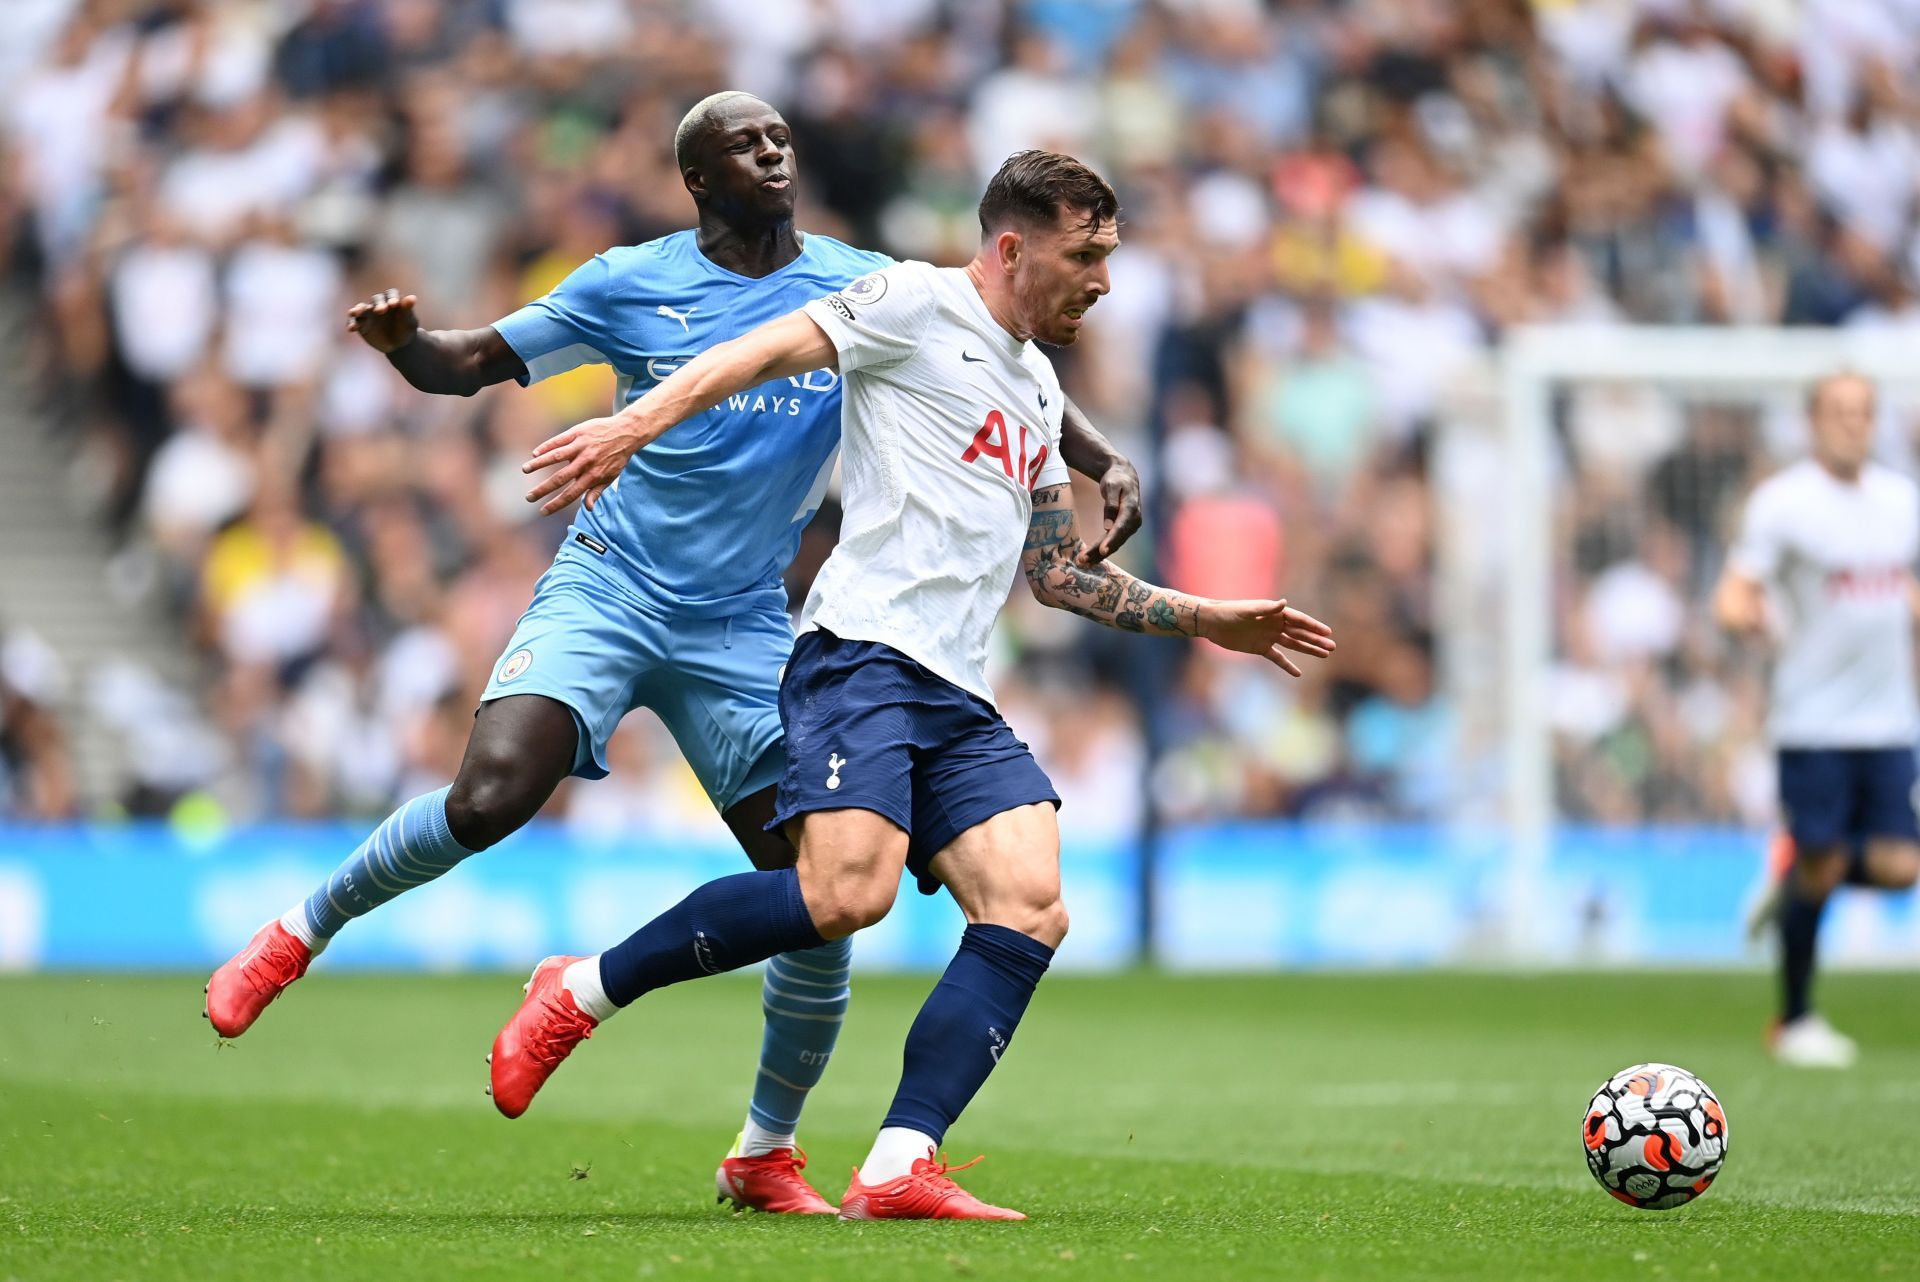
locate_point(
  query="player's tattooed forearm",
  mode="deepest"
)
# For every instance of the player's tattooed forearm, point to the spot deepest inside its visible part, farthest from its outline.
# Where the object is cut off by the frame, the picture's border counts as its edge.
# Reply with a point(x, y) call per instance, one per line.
point(1164, 614)
point(1102, 592)
point(1049, 529)
point(1134, 617)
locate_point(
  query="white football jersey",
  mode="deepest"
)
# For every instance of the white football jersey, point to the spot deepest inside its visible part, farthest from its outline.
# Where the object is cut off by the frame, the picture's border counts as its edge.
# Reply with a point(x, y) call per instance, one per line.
point(948, 425)
point(1837, 559)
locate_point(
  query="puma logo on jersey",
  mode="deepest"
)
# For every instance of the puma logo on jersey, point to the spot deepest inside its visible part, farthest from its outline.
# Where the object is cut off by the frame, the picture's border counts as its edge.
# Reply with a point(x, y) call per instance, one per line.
point(995, 440)
point(679, 316)
point(834, 762)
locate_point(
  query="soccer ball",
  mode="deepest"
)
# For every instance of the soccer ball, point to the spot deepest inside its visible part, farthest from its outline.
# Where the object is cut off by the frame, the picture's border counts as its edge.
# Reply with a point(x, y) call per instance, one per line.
point(1655, 1136)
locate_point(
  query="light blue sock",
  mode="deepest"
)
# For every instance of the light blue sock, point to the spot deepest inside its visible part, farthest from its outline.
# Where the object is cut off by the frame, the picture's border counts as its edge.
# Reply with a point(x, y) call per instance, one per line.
point(805, 997)
point(410, 848)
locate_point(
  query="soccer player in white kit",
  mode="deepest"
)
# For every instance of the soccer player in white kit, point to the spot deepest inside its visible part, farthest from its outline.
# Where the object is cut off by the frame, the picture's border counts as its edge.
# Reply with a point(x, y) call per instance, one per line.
point(1824, 566)
point(896, 756)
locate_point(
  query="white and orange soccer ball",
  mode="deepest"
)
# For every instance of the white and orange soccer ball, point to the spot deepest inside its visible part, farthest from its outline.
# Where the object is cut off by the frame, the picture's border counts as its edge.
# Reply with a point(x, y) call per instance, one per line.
point(1655, 1136)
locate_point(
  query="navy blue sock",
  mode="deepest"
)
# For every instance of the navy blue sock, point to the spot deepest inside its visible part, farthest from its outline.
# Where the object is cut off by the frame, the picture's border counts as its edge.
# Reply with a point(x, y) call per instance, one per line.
point(1799, 928)
point(724, 925)
point(965, 1024)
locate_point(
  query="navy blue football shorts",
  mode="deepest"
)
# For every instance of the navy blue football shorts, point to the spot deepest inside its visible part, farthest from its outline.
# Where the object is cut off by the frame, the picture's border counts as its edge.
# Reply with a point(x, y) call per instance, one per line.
point(869, 729)
point(1838, 796)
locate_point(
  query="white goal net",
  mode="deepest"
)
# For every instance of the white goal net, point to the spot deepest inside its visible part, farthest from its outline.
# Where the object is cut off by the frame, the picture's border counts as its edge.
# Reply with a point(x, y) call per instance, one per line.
point(1589, 495)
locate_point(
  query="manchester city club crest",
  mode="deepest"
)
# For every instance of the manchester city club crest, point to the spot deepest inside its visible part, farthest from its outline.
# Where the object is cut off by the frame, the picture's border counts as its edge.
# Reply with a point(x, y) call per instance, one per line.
point(517, 662)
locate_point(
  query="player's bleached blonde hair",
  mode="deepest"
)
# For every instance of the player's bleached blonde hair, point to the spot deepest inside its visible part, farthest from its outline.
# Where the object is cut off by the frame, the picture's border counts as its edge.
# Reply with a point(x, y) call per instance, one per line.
point(697, 119)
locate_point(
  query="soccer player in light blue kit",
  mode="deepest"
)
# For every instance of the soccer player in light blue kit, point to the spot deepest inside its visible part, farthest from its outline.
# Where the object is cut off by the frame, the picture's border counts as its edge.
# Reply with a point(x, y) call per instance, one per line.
point(666, 594)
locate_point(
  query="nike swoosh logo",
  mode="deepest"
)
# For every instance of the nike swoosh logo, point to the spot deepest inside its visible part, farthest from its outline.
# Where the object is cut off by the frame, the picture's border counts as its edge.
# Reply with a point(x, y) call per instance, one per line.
point(969, 356)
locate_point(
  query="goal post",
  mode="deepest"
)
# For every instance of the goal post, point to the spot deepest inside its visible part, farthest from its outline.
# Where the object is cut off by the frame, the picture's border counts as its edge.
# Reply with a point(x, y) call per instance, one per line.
point(1751, 377)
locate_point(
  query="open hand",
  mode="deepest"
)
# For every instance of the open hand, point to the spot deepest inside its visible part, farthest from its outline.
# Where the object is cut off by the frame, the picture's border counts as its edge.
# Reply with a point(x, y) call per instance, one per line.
point(386, 321)
point(588, 458)
point(1266, 628)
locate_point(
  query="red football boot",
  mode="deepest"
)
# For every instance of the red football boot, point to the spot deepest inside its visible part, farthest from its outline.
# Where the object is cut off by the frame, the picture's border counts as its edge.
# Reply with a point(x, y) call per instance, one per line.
point(544, 1031)
point(924, 1194)
point(771, 1182)
point(253, 977)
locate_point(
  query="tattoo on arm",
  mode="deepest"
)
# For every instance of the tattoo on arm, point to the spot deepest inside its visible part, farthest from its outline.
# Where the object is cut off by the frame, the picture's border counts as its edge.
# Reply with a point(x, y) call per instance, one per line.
point(1104, 592)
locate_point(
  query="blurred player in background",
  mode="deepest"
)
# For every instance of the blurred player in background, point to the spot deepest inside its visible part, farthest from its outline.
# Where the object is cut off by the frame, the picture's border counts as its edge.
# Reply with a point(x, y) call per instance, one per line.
point(896, 756)
point(666, 594)
point(1831, 542)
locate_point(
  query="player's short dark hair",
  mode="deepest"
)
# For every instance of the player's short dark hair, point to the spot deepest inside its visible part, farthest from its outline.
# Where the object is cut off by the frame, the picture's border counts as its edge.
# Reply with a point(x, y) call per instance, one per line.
point(1033, 187)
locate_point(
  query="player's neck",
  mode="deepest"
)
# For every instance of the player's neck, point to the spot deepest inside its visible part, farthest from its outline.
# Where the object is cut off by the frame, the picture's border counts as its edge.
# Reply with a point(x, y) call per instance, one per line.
point(1839, 471)
point(749, 249)
point(996, 293)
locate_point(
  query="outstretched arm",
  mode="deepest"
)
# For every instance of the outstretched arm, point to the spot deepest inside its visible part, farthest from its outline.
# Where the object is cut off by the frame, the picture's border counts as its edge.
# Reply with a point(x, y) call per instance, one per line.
point(1092, 455)
point(587, 458)
point(447, 362)
point(1107, 594)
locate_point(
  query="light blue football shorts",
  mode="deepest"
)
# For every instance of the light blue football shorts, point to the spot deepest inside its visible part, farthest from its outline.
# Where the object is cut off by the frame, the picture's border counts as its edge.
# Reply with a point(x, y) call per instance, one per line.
point(593, 644)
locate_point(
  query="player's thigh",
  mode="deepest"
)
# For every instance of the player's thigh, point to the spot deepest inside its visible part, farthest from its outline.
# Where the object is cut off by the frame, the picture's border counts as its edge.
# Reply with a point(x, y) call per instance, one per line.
point(586, 646)
point(753, 824)
point(719, 696)
point(975, 770)
point(851, 732)
point(1890, 825)
point(846, 794)
point(1818, 799)
point(1883, 784)
point(849, 863)
point(521, 747)
point(1005, 871)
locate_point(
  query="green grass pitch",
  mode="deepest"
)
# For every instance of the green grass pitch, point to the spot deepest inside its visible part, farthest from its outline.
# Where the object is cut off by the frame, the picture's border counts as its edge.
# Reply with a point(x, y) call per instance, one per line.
point(1299, 1127)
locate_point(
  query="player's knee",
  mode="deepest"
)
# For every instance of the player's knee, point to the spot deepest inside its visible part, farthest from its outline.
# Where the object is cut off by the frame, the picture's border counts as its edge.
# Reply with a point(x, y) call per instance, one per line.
point(1819, 875)
point(488, 803)
point(850, 903)
point(1035, 911)
point(1896, 869)
point(1050, 923)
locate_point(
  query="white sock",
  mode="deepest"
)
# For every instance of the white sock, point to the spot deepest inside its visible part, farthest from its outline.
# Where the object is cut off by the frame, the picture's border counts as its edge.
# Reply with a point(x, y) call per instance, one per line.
point(582, 979)
point(758, 1141)
point(895, 1150)
point(294, 922)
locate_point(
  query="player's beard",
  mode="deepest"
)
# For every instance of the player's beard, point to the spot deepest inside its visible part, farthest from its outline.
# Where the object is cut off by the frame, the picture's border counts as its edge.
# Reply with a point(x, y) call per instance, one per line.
point(1043, 306)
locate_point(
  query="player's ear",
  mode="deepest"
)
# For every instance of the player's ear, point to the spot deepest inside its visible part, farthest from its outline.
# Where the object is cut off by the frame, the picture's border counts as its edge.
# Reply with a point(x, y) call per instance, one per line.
point(1009, 245)
point(696, 183)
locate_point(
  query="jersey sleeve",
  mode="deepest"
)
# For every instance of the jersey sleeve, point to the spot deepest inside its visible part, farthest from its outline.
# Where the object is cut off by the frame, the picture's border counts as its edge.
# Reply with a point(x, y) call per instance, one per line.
point(563, 329)
point(1053, 468)
point(1757, 552)
point(1053, 471)
point(878, 319)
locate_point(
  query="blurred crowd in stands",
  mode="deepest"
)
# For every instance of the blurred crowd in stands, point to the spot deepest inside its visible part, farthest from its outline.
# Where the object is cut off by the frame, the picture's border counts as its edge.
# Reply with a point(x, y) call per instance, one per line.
point(1331, 213)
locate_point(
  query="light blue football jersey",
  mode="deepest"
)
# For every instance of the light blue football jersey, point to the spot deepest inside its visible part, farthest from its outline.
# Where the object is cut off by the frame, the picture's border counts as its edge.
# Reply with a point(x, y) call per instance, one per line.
point(706, 519)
